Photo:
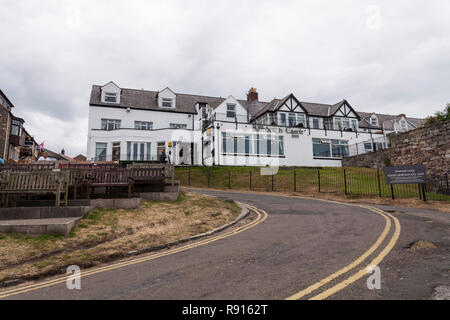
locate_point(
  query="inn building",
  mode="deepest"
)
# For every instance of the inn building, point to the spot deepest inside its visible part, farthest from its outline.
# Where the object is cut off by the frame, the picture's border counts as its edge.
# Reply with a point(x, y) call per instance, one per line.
point(138, 125)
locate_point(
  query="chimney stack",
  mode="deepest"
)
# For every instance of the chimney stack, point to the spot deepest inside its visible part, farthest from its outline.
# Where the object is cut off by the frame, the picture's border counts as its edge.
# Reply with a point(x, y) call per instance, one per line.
point(252, 95)
point(63, 151)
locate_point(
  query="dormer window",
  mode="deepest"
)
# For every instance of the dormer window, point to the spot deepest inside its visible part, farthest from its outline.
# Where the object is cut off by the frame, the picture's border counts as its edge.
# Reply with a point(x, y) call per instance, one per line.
point(111, 97)
point(374, 121)
point(110, 93)
point(403, 124)
point(167, 103)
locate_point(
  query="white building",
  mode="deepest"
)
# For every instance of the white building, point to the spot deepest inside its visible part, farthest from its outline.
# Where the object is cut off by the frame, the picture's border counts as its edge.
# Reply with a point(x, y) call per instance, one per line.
point(138, 125)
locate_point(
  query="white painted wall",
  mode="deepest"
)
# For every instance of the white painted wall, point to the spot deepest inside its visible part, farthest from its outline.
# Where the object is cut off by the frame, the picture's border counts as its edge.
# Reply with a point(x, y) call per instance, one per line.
point(160, 119)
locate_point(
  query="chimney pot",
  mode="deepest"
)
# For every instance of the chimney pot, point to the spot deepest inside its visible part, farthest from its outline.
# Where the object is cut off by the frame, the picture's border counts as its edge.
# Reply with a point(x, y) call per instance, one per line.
point(252, 95)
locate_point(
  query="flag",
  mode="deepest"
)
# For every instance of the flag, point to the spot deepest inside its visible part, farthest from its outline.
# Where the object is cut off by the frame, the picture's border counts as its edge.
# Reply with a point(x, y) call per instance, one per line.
point(41, 147)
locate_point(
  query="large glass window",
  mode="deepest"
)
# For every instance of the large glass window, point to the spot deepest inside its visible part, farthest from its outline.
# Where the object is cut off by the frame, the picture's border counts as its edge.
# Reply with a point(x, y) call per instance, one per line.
point(247, 144)
point(280, 145)
point(135, 151)
point(325, 148)
point(316, 123)
point(262, 144)
point(339, 148)
point(346, 123)
point(149, 151)
point(100, 151)
point(282, 119)
point(338, 123)
point(111, 124)
point(354, 125)
point(143, 125)
point(141, 151)
point(321, 148)
point(248, 141)
point(128, 150)
point(292, 120)
point(228, 145)
point(301, 120)
point(277, 145)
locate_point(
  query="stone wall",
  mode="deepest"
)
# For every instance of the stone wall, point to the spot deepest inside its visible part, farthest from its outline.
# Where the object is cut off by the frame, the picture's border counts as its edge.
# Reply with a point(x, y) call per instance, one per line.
point(429, 145)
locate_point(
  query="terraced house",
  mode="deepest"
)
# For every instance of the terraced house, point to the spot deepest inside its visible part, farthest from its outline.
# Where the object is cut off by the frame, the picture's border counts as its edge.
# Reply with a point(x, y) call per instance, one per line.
point(15, 142)
point(138, 125)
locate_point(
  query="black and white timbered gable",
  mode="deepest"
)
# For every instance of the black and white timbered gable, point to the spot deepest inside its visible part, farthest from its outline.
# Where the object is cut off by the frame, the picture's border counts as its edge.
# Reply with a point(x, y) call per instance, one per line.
point(344, 109)
point(291, 104)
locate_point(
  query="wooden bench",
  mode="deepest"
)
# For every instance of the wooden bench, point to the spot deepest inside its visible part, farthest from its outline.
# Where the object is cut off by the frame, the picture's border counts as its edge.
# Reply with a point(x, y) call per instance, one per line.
point(35, 182)
point(109, 178)
point(162, 171)
point(148, 175)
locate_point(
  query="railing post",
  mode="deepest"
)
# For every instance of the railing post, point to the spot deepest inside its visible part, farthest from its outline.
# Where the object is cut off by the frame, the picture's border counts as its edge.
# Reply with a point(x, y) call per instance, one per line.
point(424, 193)
point(272, 181)
point(379, 182)
point(345, 181)
point(392, 192)
point(420, 191)
point(229, 178)
point(250, 179)
point(318, 176)
point(295, 181)
point(209, 176)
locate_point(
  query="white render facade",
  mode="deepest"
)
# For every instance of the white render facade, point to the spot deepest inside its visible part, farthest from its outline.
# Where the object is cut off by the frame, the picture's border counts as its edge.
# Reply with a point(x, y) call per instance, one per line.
point(137, 125)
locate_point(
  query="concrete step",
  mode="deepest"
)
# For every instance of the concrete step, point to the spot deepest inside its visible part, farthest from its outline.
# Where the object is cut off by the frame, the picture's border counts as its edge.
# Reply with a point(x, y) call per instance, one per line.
point(53, 226)
point(44, 212)
point(159, 196)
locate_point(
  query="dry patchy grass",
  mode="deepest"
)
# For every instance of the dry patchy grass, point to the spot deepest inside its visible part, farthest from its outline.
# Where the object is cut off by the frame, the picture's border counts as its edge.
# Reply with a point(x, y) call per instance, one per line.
point(105, 234)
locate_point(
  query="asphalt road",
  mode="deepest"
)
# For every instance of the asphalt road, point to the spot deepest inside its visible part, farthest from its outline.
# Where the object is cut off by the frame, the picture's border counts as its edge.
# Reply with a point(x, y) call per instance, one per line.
point(302, 242)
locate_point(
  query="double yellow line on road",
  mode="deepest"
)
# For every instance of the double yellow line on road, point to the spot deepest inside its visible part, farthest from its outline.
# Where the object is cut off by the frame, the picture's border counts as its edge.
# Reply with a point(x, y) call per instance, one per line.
point(362, 272)
point(261, 216)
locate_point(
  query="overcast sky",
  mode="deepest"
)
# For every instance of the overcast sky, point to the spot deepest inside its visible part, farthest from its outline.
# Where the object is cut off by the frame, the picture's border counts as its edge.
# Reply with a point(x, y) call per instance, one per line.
point(382, 56)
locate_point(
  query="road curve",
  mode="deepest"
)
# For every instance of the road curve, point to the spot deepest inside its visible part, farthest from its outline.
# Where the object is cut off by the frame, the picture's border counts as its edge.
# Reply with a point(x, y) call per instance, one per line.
point(300, 243)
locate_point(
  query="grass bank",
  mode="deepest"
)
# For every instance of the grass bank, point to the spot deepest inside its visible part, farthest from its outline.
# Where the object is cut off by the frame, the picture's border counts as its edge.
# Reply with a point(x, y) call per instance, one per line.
point(103, 235)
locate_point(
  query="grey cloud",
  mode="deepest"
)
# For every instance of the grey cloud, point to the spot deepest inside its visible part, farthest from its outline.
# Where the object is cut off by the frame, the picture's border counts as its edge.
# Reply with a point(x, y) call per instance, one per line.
point(322, 51)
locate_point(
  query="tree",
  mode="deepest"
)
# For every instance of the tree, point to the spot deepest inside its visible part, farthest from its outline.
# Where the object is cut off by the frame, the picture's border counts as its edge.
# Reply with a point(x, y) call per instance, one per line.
point(439, 116)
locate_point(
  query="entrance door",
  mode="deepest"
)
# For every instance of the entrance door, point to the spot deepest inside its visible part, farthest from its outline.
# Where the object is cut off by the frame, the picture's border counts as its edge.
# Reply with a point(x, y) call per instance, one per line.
point(116, 151)
point(160, 149)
